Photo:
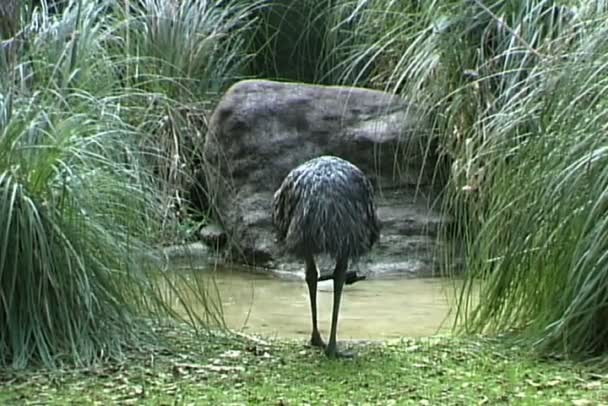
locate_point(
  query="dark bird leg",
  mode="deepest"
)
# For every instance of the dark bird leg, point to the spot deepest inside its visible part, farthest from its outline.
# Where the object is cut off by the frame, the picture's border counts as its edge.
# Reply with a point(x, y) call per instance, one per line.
point(351, 277)
point(339, 279)
point(311, 281)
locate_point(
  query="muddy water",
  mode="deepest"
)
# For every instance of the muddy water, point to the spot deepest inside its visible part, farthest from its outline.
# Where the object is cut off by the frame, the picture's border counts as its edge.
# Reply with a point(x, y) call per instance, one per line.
point(371, 309)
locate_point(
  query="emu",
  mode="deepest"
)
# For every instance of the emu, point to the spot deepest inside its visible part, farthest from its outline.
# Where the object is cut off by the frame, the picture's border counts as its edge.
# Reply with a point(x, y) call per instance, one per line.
point(326, 206)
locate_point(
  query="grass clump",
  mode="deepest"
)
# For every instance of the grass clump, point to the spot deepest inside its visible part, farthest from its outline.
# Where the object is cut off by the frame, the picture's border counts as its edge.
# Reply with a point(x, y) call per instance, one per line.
point(174, 60)
point(516, 92)
point(70, 259)
point(536, 162)
point(88, 106)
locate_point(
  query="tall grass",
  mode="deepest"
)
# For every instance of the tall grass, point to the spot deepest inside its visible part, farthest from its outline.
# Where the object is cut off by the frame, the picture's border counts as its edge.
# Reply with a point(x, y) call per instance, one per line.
point(532, 180)
point(176, 59)
point(72, 271)
point(364, 43)
point(313, 41)
point(189, 50)
point(517, 94)
point(542, 228)
point(288, 42)
point(88, 106)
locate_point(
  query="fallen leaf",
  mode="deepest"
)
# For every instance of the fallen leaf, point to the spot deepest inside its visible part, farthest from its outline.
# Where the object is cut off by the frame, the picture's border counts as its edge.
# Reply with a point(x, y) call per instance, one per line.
point(224, 369)
point(591, 385)
point(555, 382)
point(231, 354)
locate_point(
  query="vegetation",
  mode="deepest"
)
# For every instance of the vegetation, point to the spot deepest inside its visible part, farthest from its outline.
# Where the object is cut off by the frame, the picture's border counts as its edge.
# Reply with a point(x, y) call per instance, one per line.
point(498, 79)
point(102, 116)
point(248, 370)
point(522, 121)
point(516, 95)
point(90, 110)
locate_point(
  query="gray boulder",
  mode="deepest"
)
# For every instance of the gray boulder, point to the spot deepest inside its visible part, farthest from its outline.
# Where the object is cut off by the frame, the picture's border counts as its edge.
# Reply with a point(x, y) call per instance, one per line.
point(260, 130)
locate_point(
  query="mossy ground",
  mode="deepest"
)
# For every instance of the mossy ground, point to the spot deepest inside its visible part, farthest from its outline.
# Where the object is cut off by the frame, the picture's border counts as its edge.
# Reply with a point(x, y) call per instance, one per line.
point(231, 369)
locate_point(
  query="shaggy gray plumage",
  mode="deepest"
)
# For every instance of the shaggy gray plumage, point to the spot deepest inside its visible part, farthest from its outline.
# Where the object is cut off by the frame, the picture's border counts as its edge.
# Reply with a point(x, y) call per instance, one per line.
point(326, 205)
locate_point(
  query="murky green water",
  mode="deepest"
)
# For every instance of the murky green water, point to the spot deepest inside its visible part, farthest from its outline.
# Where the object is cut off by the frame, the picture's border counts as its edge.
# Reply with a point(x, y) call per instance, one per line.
point(371, 309)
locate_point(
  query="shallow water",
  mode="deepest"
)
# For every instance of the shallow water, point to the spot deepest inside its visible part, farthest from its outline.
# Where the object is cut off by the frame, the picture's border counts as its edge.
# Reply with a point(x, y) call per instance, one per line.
point(371, 309)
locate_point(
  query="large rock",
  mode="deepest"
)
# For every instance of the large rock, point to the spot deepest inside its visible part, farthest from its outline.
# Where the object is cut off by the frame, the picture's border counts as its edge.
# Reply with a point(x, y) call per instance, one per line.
point(261, 130)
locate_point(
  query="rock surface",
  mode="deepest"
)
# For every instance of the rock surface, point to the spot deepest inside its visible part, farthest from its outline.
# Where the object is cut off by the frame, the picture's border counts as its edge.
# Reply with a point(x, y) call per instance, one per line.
point(195, 251)
point(260, 130)
point(213, 236)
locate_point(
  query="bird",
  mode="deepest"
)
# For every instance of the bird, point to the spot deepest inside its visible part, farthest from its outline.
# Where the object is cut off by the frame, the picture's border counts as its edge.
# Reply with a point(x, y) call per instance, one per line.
point(326, 205)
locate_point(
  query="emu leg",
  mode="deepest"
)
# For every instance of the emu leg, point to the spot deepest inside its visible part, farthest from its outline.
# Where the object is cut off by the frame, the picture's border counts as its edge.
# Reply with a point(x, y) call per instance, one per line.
point(339, 279)
point(311, 281)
